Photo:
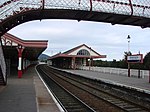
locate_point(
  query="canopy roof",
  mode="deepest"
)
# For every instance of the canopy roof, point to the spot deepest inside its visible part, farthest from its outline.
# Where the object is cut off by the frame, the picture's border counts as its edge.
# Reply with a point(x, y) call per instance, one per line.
point(32, 48)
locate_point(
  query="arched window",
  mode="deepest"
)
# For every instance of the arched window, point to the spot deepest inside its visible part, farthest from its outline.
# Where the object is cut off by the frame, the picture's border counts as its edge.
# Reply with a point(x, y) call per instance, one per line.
point(83, 52)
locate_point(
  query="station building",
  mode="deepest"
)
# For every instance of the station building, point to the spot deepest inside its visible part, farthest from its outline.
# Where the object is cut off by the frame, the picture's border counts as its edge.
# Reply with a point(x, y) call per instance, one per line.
point(75, 58)
point(20, 54)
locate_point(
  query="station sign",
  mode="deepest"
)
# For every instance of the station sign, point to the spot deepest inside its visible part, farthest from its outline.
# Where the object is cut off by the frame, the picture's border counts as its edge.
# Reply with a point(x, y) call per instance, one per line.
point(137, 58)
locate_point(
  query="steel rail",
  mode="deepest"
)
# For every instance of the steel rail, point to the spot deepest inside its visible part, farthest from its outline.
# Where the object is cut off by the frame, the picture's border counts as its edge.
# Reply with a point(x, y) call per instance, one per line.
point(64, 96)
point(116, 101)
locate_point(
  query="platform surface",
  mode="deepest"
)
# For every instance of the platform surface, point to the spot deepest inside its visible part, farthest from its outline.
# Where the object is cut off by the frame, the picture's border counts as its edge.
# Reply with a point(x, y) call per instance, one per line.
point(26, 94)
point(134, 82)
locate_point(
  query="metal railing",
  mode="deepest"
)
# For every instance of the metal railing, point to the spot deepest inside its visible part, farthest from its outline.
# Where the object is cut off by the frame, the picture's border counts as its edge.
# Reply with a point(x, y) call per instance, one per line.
point(126, 7)
point(3, 64)
point(117, 71)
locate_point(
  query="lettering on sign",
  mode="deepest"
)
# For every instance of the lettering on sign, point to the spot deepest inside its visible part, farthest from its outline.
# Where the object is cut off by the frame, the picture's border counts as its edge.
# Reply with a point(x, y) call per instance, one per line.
point(138, 58)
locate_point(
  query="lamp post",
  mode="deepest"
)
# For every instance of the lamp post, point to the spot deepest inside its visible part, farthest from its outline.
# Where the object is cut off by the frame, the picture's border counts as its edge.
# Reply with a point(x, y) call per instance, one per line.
point(128, 38)
point(90, 60)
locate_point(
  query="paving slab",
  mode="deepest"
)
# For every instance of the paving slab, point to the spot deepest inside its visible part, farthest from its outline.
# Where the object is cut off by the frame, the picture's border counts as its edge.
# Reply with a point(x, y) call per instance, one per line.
point(18, 95)
point(45, 102)
point(141, 84)
point(26, 94)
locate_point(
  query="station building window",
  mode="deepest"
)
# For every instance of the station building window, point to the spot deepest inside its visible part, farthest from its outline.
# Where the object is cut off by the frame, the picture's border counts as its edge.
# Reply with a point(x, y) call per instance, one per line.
point(83, 52)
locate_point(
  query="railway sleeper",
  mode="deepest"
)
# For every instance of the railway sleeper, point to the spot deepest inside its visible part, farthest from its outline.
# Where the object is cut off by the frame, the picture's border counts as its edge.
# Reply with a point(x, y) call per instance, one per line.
point(119, 102)
point(124, 105)
point(73, 107)
point(136, 110)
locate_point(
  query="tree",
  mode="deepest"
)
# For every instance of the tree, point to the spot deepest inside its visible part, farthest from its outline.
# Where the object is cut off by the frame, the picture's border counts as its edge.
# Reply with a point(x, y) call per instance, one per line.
point(146, 61)
point(127, 54)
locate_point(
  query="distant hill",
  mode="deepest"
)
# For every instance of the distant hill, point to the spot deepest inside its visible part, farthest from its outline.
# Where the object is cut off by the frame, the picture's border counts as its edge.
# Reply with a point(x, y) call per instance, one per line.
point(43, 57)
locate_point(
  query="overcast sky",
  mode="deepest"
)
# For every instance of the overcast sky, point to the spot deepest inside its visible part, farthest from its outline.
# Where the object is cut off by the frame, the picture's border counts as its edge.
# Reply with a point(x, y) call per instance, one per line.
point(106, 39)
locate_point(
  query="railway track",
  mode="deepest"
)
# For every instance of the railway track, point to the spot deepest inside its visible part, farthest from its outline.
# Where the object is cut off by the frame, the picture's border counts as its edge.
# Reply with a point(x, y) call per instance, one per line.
point(68, 101)
point(100, 96)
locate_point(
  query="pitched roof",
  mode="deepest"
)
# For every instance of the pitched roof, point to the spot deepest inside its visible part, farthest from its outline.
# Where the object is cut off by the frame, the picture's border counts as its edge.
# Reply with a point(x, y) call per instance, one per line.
point(73, 49)
point(68, 53)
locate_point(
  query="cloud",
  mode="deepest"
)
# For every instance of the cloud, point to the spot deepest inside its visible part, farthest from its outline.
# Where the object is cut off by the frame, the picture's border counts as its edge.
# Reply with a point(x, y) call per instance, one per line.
point(103, 37)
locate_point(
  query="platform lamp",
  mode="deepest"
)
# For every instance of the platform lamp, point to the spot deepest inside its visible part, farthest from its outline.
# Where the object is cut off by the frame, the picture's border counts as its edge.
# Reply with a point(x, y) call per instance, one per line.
point(128, 38)
point(90, 60)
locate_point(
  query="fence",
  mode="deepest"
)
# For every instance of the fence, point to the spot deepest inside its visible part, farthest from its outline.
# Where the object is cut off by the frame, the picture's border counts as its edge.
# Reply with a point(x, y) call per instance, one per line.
point(117, 71)
point(2, 63)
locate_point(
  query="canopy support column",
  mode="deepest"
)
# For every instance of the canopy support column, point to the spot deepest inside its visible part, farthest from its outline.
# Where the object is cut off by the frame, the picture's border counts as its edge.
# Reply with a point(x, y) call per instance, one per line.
point(20, 50)
point(73, 63)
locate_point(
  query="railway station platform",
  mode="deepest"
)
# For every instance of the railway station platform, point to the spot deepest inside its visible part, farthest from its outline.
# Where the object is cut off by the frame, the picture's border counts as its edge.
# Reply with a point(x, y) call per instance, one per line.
point(140, 84)
point(26, 94)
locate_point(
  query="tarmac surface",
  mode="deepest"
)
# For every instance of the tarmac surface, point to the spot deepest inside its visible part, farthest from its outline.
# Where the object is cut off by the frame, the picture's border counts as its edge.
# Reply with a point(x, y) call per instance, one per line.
point(18, 95)
point(29, 94)
point(141, 84)
point(26, 94)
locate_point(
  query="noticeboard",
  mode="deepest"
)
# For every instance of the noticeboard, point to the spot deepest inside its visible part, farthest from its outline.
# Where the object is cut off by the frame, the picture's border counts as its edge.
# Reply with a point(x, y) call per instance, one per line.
point(137, 58)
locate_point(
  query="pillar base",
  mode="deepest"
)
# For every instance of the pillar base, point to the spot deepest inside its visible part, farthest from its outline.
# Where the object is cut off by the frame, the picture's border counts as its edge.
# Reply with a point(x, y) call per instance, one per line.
point(19, 73)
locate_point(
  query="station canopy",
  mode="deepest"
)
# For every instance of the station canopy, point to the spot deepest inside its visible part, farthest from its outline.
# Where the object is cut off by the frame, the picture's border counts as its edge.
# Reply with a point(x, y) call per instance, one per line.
point(31, 48)
point(81, 51)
